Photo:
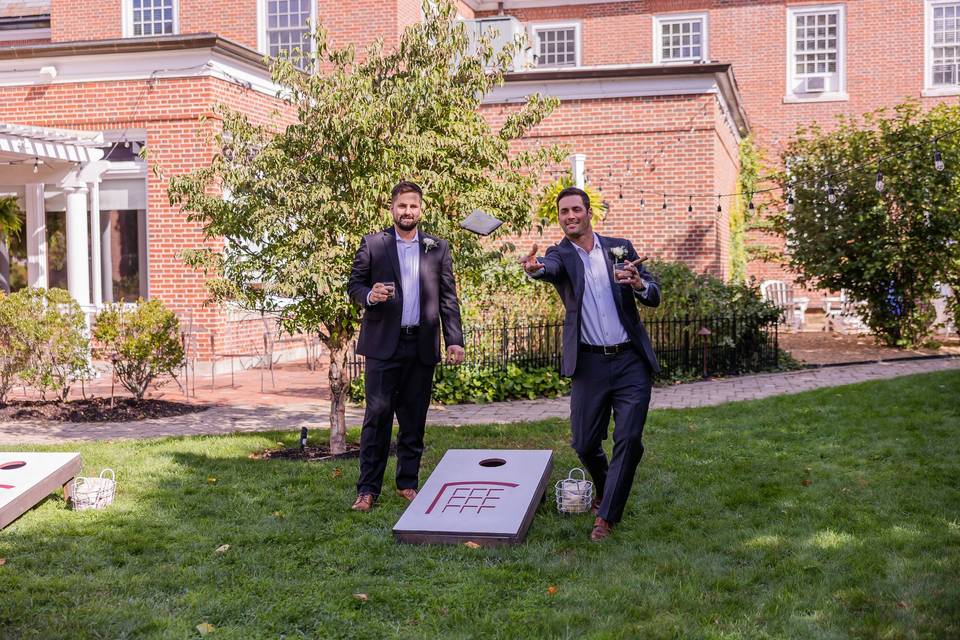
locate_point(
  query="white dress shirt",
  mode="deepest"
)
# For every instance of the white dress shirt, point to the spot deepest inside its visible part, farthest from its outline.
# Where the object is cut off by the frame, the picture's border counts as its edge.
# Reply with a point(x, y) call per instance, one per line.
point(408, 251)
point(599, 321)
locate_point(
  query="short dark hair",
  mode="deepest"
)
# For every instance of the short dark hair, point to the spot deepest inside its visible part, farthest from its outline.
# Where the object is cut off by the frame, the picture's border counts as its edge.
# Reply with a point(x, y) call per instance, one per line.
point(574, 191)
point(405, 186)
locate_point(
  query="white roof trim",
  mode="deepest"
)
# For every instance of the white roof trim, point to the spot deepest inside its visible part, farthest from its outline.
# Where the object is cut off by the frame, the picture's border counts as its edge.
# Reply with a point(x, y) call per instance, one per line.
point(50, 144)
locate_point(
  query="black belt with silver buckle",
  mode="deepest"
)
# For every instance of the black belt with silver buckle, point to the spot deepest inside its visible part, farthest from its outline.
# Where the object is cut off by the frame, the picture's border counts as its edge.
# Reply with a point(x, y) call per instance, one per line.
point(606, 349)
point(410, 330)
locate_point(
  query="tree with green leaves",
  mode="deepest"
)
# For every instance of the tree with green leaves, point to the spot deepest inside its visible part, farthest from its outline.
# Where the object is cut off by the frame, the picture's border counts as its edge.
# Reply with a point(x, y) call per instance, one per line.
point(292, 202)
point(870, 207)
point(10, 226)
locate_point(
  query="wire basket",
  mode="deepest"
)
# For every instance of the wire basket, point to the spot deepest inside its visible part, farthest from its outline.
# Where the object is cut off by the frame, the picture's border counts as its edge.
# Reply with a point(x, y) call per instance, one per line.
point(93, 493)
point(574, 495)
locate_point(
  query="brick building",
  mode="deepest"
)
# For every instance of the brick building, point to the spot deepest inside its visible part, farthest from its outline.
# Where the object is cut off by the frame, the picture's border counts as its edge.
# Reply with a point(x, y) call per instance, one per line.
point(655, 94)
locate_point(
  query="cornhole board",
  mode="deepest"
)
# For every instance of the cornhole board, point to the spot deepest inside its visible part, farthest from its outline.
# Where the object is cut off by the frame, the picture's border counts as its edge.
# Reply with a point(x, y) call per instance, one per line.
point(487, 496)
point(28, 478)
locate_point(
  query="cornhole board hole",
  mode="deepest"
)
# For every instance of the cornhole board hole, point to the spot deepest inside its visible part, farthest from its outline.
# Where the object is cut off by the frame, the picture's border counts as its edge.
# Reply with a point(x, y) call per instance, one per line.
point(487, 496)
point(28, 478)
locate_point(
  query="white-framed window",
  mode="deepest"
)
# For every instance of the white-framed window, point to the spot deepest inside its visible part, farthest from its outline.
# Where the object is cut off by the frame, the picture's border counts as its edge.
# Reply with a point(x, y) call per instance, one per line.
point(942, 47)
point(556, 44)
point(680, 38)
point(816, 53)
point(144, 18)
point(285, 26)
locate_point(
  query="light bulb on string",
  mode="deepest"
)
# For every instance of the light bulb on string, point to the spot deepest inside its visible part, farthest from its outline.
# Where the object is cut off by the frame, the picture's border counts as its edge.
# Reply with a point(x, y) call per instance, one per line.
point(126, 144)
point(750, 205)
point(719, 208)
point(664, 202)
point(790, 202)
point(36, 164)
point(643, 202)
point(690, 204)
point(938, 163)
point(831, 196)
point(879, 184)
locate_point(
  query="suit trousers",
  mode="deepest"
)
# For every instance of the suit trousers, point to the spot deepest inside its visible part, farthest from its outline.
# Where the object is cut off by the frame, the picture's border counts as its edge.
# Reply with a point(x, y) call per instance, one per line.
point(399, 386)
point(620, 383)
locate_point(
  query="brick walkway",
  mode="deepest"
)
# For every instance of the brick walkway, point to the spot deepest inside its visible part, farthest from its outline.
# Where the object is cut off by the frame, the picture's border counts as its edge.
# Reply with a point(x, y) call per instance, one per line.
point(294, 414)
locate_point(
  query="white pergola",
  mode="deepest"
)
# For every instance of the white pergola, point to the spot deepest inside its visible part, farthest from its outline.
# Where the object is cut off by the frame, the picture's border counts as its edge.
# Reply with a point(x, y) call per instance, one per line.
point(41, 159)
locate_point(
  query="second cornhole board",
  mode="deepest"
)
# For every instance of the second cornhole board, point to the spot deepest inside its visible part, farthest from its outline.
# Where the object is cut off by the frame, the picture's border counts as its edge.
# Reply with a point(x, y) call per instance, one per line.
point(487, 496)
point(27, 478)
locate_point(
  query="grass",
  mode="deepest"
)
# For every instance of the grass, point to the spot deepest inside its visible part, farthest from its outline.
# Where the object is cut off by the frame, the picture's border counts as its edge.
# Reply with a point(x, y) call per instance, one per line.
point(831, 514)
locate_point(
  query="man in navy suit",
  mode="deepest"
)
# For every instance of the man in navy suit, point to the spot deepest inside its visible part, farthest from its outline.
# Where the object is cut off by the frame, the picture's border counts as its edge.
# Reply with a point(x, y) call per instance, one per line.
point(606, 349)
point(403, 279)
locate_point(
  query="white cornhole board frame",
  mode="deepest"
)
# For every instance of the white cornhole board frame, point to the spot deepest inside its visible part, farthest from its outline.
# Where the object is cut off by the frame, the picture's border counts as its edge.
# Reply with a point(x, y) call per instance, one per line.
point(464, 500)
point(27, 478)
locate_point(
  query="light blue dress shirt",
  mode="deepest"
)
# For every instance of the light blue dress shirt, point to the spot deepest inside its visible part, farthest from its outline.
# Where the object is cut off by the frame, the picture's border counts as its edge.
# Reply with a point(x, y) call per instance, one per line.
point(408, 251)
point(600, 322)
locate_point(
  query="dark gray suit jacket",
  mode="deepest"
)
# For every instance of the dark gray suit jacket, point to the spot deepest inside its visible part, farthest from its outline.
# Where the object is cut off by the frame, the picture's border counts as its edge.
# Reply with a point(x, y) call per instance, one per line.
point(377, 261)
point(564, 269)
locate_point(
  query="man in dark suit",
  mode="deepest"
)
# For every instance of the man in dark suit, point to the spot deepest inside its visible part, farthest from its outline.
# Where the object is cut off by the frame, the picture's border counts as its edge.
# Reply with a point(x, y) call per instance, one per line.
point(403, 279)
point(606, 349)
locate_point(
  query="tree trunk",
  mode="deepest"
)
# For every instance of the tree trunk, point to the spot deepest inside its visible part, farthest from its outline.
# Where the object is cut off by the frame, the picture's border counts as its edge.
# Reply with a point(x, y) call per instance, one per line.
point(339, 385)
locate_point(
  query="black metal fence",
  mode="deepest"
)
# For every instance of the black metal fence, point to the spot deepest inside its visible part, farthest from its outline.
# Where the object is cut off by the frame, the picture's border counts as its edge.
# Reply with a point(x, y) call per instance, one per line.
point(686, 347)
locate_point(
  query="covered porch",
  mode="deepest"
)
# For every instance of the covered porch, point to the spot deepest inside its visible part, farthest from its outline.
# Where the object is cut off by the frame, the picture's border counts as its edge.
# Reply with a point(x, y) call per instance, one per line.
point(71, 185)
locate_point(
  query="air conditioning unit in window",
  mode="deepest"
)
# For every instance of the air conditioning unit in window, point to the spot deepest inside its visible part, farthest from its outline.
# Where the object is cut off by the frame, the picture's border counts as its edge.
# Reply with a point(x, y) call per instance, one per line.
point(501, 30)
point(816, 84)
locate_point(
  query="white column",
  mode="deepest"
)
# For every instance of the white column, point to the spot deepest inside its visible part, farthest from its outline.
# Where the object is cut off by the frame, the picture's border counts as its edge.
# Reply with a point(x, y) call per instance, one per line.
point(106, 257)
point(78, 258)
point(36, 237)
point(577, 163)
point(96, 268)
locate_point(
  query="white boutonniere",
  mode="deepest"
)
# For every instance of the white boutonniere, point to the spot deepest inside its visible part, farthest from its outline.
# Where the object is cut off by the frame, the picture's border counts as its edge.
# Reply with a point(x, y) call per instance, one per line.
point(429, 243)
point(618, 253)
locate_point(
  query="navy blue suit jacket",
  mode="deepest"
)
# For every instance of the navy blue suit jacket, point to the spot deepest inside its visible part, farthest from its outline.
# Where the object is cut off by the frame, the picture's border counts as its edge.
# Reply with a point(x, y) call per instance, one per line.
point(564, 269)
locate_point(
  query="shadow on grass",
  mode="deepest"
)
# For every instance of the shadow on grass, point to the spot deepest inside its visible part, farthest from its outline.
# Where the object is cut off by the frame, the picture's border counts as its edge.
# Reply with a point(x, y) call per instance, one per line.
point(833, 513)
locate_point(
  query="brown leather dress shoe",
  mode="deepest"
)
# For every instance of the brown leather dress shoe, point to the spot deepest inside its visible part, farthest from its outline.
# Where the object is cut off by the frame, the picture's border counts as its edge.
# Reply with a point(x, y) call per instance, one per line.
point(601, 530)
point(364, 502)
point(408, 494)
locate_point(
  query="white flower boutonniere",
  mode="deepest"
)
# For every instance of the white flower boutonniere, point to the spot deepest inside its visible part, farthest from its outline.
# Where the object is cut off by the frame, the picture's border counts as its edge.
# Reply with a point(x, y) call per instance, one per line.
point(618, 253)
point(429, 243)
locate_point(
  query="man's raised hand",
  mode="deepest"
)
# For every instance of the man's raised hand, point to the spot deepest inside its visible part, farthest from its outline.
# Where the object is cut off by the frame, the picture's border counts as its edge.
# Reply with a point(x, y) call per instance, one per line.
point(529, 261)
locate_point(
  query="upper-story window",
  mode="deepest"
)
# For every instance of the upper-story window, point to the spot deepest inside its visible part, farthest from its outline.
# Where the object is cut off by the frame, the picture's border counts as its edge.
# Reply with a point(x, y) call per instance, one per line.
point(286, 26)
point(943, 46)
point(680, 38)
point(149, 18)
point(816, 53)
point(556, 45)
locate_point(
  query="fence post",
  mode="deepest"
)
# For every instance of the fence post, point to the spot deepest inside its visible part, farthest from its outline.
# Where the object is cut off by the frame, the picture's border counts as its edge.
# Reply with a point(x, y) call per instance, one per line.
point(504, 343)
point(686, 342)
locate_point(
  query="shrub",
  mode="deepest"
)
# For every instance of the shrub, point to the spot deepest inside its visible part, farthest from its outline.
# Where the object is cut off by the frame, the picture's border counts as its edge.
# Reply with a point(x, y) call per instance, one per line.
point(470, 384)
point(15, 354)
point(50, 326)
point(685, 293)
point(142, 342)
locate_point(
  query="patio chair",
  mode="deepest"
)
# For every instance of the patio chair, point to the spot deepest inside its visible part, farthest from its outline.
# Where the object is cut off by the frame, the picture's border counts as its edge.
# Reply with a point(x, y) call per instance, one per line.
point(944, 324)
point(842, 314)
point(781, 294)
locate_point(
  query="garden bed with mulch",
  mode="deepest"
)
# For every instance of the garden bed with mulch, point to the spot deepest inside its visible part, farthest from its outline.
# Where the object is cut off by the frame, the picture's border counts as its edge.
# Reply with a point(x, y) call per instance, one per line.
point(95, 410)
point(311, 453)
point(830, 348)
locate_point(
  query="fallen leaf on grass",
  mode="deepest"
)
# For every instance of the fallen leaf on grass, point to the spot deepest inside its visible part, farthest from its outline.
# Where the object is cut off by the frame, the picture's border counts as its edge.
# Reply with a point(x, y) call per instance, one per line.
point(551, 590)
point(222, 548)
point(278, 514)
point(806, 482)
point(362, 597)
point(902, 605)
point(471, 544)
point(211, 480)
point(337, 472)
point(205, 628)
point(3, 561)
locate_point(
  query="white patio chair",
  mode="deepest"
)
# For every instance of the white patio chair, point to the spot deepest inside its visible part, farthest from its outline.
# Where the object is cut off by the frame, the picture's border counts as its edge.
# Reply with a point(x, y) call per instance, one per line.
point(842, 314)
point(944, 324)
point(781, 294)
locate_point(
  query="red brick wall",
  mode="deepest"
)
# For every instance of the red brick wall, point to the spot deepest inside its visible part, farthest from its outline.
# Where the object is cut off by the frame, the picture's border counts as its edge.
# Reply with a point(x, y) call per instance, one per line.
point(235, 20)
point(673, 144)
point(85, 20)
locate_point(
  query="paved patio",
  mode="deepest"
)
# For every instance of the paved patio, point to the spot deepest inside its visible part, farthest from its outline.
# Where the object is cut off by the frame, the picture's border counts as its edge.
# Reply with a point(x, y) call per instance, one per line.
point(294, 412)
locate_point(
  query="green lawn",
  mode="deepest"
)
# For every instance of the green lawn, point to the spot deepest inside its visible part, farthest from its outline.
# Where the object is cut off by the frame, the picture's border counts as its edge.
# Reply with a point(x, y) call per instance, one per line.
point(832, 514)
